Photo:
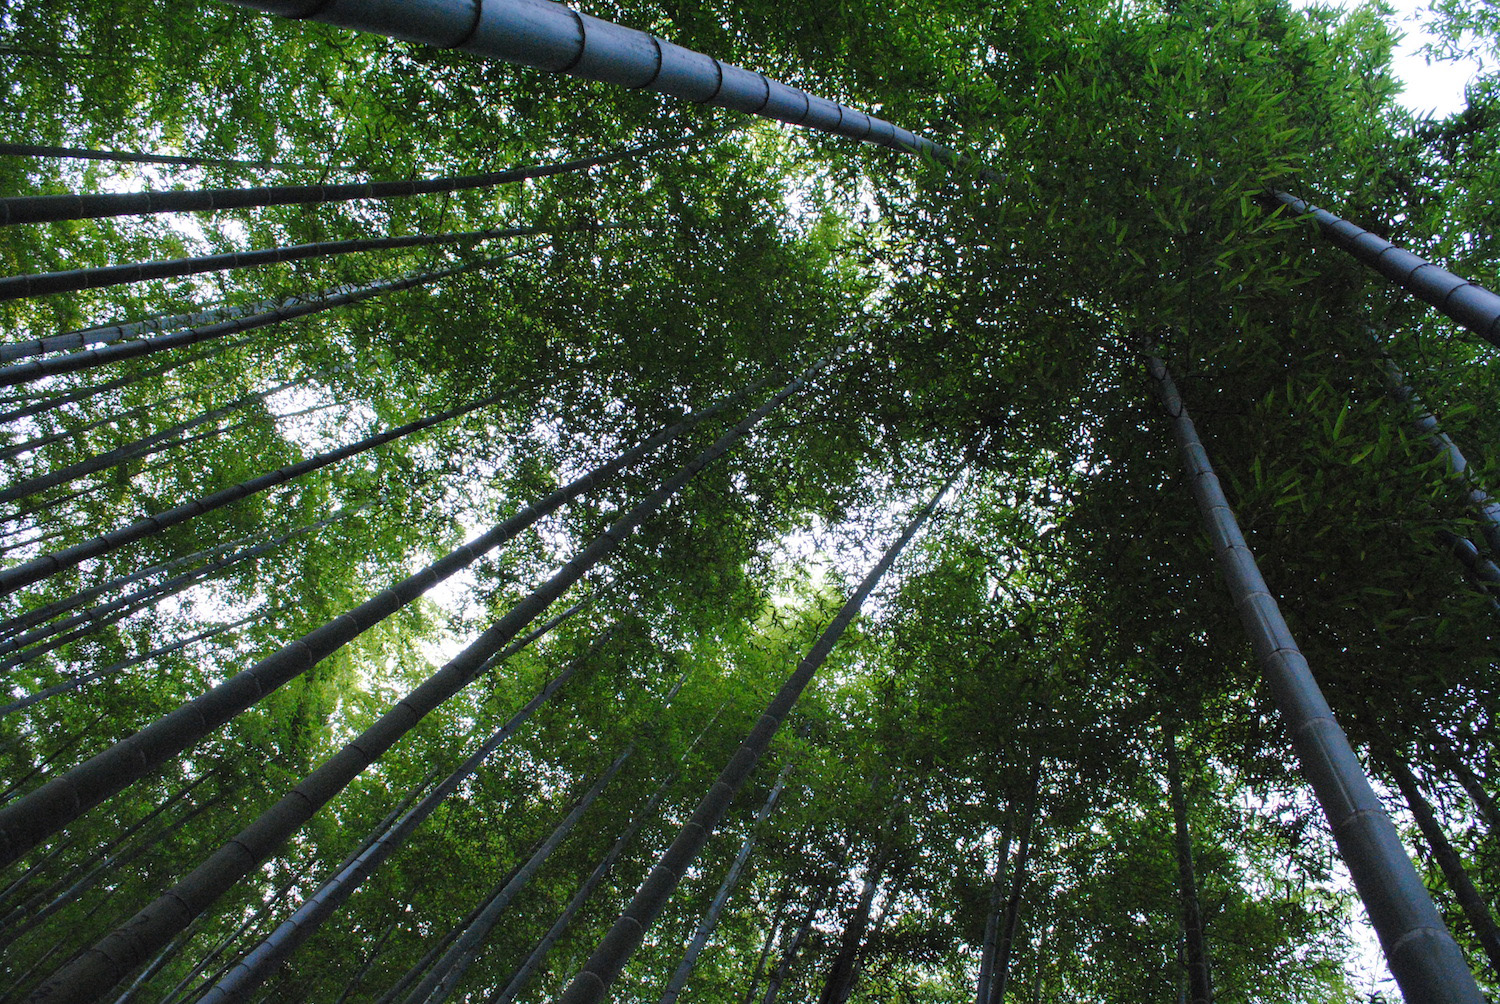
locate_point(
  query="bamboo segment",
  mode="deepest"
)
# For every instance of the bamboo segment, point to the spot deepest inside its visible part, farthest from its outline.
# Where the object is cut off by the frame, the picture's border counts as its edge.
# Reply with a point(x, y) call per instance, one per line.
point(1468, 303)
point(551, 36)
point(1422, 955)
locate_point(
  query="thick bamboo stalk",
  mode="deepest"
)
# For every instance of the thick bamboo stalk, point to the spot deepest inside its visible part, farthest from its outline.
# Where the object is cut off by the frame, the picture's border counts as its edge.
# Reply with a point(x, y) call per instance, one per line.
point(551, 36)
point(51, 208)
point(62, 800)
point(1468, 303)
point(1422, 955)
point(16, 287)
point(119, 331)
point(592, 984)
point(118, 953)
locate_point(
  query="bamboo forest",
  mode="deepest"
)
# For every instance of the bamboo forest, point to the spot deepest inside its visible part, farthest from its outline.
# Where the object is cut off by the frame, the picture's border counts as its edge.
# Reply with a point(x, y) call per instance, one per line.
point(745, 502)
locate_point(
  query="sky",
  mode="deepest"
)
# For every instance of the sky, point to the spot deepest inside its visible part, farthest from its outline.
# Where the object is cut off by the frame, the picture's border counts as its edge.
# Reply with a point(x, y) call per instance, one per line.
point(1437, 87)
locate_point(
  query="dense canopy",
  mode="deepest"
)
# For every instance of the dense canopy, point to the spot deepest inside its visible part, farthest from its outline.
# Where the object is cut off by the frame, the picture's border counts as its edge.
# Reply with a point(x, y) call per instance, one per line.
point(690, 376)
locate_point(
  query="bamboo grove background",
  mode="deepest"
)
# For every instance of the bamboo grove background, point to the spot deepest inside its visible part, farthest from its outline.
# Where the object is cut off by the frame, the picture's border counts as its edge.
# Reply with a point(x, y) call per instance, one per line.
point(1038, 767)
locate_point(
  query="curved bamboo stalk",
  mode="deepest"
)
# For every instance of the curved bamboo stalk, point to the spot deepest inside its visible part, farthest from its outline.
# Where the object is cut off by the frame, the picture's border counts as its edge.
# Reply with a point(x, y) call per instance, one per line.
point(52, 208)
point(123, 157)
point(1422, 955)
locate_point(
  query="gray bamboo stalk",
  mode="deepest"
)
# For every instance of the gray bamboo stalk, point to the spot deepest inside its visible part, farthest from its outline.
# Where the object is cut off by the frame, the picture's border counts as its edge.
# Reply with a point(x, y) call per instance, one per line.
point(601, 871)
point(53, 644)
point(52, 208)
point(73, 683)
point(872, 940)
point(528, 968)
point(50, 758)
point(159, 963)
point(1422, 955)
point(92, 974)
point(93, 358)
point(783, 968)
point(31, 618)
point(199, 967)
point(144, 446)
point(710, 921)
point(258, 915)
point(115, 768)
point(450, 969)
point(18, 287)
point(1443, 753)
point(1011, 925)
point(1196, 960)
point(438, 947)
point(38, 442)
point(14, 930)
point(783, 901)
point(1440, 444)
point(52, 402)
point(258, 964)
point(369, 963)
point(1468, 303)
point(992, 919)
point(153, 593)
point(17, 886)
point(119, 331)
point(37, 900)
point(35, 570)
point(592, 984)
point(1476, 911)
point(214, 557)
point(550, 36)
point(840, 981)
point(124, 157)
